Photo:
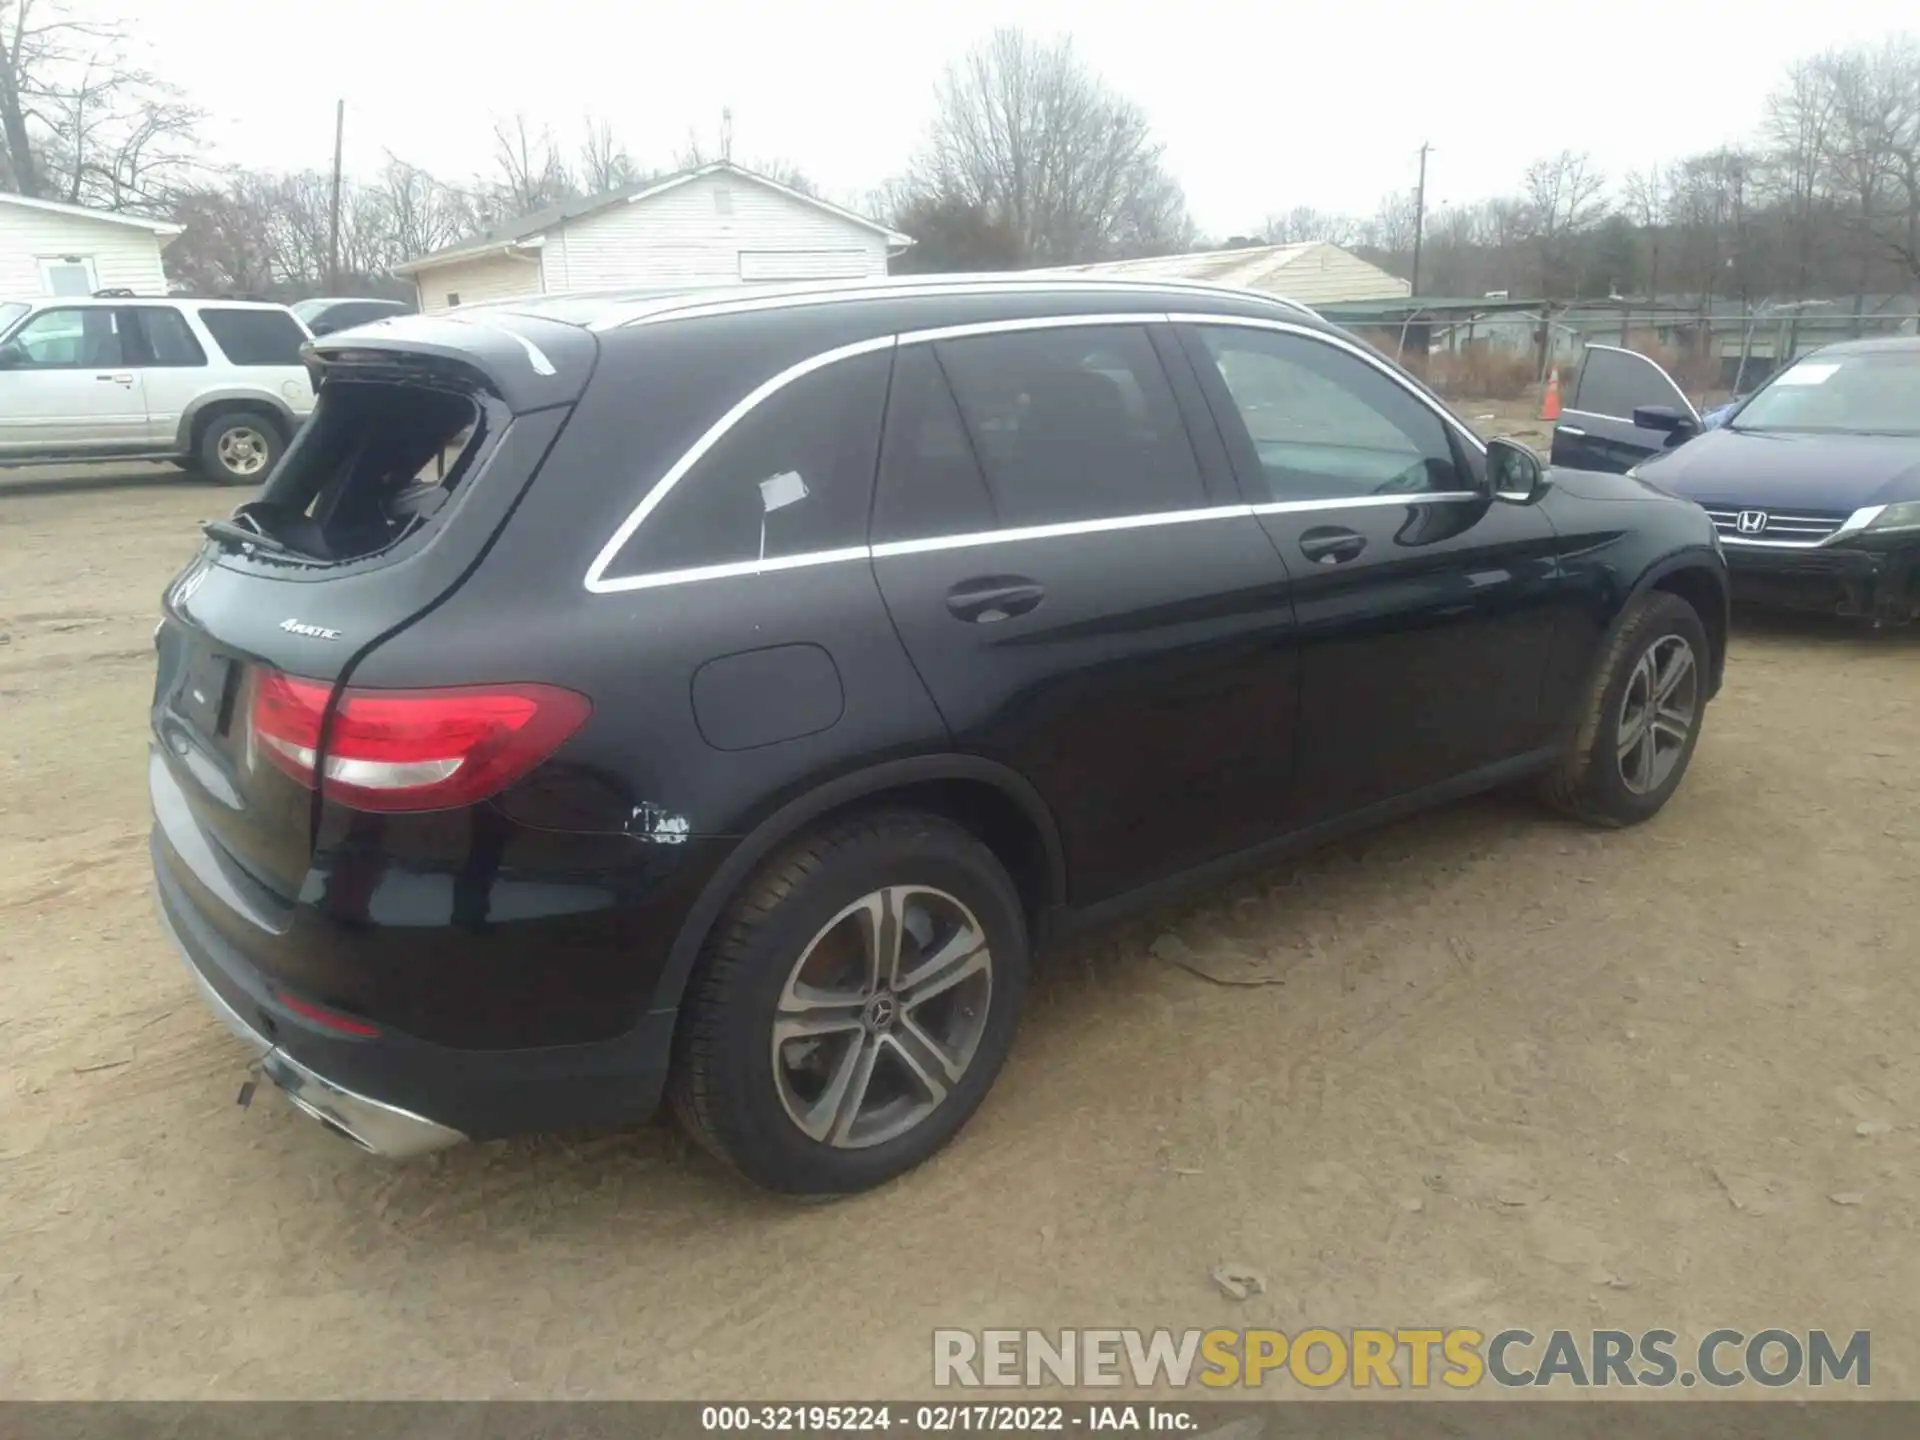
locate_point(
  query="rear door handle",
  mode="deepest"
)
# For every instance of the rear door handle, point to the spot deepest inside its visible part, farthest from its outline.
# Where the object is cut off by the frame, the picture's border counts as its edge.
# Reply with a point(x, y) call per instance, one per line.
point(1332, 544)
point(994, 597)
point(1572, 430)
point(120, 379)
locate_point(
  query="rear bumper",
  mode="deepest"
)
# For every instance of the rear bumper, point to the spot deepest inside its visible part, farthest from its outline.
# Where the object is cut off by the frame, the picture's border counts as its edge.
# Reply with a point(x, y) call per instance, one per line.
point(396, 1094)
point(371, 1124)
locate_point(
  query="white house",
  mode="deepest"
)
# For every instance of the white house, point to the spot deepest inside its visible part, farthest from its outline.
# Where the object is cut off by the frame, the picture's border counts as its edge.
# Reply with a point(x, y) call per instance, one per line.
point(47, 248)
point(717, 224)
point(1315, 272)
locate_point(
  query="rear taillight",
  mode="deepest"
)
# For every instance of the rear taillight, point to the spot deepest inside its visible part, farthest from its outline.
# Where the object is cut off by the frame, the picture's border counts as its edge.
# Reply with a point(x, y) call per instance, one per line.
point(411, 749)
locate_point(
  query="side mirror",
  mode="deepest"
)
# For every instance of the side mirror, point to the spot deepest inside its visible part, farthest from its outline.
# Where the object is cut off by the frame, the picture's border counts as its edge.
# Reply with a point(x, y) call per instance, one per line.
point(1676, 423)
point(1513, 471)
point(12, 356)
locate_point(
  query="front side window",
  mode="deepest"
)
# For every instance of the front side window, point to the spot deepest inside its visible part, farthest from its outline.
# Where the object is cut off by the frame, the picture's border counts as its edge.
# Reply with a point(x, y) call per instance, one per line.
point(1616, 382)
point(1074, 423)
point(255, 337)
point(66, 340)
point(793, 477)
point(170, 340)
point(1326, 425)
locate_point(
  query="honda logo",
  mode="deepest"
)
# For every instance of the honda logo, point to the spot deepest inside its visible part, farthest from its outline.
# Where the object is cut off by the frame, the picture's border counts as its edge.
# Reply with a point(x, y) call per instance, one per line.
point(1751, 522)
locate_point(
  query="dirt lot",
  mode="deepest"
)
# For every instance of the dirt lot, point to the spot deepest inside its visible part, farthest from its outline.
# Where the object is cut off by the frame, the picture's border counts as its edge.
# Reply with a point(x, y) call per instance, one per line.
point(1504, 1071)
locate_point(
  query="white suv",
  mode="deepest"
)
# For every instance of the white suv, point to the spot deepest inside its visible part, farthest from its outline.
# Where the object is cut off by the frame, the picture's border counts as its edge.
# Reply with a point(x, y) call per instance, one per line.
point(217, 385)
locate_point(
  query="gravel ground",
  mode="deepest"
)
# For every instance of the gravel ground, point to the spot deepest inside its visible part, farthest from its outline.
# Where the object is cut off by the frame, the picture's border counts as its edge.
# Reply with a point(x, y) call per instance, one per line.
point(1497, 1070)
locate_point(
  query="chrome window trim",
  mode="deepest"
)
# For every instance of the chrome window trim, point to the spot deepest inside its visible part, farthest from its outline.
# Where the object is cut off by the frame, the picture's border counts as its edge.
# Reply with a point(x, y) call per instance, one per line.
point(655, 579)
point(1352, 347)
point(596, 581)
point(1030, 322)
point(652, 312)
point(1364, 502)
point(1151, 519)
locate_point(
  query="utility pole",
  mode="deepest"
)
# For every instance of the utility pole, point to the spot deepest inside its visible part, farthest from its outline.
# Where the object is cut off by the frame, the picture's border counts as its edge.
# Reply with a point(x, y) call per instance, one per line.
point(333, 224)
point(1419, 216)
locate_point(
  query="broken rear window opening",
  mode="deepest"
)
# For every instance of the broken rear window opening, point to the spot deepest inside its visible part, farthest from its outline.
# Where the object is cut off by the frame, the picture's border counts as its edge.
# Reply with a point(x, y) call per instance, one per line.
point(376, 462)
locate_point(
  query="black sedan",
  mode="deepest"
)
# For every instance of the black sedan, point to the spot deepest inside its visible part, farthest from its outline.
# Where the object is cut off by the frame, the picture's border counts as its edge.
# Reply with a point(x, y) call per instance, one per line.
point(1813, 482)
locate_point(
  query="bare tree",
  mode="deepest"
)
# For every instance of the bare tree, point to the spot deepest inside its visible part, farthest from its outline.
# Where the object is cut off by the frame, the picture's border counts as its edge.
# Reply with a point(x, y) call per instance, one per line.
point(604, 162)
point(1025, 133)
point(78, 121)
point(1565, 195)
point(1798, 131)
point(530, 174)
point(1304, 223)
point(1390, 231)
point(1645, 197)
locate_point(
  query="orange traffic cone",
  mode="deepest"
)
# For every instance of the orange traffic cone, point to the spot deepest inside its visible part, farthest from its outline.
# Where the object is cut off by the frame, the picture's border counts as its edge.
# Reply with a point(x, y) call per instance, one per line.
point(1550, 402)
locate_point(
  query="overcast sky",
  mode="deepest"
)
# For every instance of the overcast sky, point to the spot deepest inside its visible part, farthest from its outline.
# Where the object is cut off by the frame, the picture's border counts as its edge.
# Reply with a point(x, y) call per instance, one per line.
point(1262, 106)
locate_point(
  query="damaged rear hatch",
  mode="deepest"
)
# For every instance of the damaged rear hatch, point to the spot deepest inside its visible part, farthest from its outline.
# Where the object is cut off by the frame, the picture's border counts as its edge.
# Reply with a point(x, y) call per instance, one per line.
point(426, 432)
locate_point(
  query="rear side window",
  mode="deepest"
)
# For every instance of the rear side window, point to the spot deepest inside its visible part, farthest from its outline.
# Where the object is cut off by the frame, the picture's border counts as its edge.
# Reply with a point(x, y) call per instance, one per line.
point(930, 481)
point(169, 339)
point(1075, 423)
point(793, 477)
point(255, 337)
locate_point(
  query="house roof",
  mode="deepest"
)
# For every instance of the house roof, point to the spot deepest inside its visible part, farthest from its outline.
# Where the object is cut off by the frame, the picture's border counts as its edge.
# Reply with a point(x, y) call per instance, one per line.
point(81, 212)
point(527, 230)
point(1252, 267)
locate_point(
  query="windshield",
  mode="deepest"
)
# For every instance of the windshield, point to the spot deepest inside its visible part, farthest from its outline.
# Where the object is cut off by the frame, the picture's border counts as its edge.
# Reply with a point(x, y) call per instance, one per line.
point(1865, 392)
point(10, 311)
point(307, 309)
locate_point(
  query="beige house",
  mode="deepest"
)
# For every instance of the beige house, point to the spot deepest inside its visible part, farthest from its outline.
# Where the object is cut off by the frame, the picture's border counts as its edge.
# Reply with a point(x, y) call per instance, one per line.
point(718, 224)
point(1316, 272)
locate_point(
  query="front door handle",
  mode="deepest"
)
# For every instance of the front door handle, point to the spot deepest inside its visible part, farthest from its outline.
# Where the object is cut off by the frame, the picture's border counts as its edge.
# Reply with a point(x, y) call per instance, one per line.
point(994, 597)
point(119, 379)
point(1332, 544)
point(1572, 430)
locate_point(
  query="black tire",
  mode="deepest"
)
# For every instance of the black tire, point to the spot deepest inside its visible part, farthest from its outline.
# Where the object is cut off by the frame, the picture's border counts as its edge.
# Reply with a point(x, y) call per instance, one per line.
point(724, 1089)
point(227, 438)
point(1589, 782)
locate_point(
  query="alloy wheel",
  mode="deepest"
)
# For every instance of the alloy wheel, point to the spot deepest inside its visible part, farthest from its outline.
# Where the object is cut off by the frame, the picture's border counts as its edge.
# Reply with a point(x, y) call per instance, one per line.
point(881, 1016)
point(1657, 713)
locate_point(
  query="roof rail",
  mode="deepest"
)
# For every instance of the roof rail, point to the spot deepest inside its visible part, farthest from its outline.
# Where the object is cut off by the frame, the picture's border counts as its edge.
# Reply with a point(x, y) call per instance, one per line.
point(117, 292)
point(778, 297)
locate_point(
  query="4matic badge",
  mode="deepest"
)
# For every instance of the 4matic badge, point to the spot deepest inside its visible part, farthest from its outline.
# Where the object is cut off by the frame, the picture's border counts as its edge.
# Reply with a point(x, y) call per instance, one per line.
point(312, 632)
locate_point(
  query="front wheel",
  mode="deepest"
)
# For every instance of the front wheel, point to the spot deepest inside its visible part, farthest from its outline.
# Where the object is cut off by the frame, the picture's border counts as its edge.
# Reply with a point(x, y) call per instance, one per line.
point(1641, 719)
point(239, 449)
point(854, 1006)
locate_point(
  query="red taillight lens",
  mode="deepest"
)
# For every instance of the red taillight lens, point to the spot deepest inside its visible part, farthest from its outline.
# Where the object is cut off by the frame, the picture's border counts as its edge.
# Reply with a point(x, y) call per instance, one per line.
point(412, 749)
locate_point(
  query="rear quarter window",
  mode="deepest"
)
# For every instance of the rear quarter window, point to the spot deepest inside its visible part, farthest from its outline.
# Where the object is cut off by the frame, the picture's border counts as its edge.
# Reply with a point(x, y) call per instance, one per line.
point(255, 337)
point(792, 477)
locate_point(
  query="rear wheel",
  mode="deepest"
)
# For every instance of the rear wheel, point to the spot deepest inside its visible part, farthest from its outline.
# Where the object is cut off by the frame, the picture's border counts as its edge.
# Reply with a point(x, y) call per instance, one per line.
point(240, 448)
point(854, 1006)
point(1641, 718)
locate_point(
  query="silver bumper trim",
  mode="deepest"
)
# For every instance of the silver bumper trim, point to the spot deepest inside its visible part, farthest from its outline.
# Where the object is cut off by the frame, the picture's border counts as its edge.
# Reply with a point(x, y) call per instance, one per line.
point(371, 1124)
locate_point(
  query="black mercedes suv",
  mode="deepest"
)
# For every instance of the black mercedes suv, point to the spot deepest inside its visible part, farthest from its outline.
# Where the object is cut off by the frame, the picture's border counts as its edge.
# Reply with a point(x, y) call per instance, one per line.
point(723, 695)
